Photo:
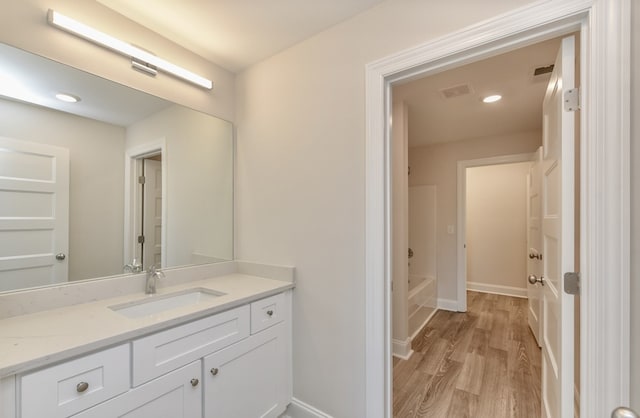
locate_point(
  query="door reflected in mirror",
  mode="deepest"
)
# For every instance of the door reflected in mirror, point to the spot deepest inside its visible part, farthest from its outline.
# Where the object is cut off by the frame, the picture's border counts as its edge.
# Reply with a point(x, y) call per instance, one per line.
point(101, 221)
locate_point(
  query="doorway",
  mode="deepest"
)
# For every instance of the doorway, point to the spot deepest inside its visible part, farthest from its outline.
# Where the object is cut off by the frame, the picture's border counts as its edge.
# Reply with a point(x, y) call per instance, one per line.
point(448, 123)
point(145, 207)
point(605, 305)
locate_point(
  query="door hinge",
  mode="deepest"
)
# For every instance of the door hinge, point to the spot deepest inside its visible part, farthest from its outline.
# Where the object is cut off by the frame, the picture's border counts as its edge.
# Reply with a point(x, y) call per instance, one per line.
point(141, 179)
point(572, 283)
point(140, 239)
point(572, 100)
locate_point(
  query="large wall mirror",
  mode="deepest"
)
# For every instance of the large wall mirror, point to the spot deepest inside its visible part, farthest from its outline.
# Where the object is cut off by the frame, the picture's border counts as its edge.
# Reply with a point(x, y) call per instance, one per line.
point(111, 184)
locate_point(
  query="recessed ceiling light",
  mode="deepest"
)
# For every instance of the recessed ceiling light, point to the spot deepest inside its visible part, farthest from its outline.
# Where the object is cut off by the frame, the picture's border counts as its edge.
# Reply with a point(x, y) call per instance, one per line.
point(491, 99)
point(69, 98)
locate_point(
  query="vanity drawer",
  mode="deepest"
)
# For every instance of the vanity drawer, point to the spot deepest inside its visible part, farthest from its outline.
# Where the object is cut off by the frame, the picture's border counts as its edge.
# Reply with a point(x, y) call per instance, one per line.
point(167, 350)
point(68, 388)
point(267, 312)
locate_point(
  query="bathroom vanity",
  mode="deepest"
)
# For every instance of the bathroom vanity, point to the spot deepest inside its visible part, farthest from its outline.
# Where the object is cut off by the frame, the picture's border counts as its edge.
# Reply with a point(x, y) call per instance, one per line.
point(202, 347)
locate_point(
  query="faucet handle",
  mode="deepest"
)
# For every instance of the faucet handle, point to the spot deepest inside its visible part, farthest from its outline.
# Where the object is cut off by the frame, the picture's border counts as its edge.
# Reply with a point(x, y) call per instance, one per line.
point(155, 271)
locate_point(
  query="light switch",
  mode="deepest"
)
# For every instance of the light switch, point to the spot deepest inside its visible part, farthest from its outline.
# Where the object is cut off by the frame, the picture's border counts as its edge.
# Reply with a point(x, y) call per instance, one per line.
point(451, 229)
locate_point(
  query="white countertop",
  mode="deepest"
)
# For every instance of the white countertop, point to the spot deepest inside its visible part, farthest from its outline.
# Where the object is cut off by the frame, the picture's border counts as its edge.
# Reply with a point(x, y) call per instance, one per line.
point(36, 339)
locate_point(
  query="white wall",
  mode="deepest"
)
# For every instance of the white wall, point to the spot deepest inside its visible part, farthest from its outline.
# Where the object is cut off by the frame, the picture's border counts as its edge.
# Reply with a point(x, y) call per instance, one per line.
point(497, 225)
point(96, 152)
point(400, 242)
point(437, 164)
point(23, 24)
point(635, 205)
point(199, 159)
point(301, 180)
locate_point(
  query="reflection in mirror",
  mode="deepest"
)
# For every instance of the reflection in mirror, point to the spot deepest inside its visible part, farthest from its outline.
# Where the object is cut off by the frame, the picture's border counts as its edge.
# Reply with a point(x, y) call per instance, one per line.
point(111, 184)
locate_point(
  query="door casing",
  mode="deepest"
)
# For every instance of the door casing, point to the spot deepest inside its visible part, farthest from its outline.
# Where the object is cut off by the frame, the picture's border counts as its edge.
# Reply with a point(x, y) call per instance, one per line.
point(604, 27)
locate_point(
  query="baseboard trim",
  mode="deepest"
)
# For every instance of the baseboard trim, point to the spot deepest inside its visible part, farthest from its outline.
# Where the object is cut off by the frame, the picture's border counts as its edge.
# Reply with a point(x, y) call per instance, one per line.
point(426, 321)
point(497, 289)
point(402, 349)
point(448, 305)
point(299, 409)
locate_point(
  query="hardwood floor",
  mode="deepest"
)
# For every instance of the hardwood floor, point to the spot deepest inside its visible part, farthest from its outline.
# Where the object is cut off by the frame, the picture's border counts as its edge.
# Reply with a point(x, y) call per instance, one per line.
point(484, 363)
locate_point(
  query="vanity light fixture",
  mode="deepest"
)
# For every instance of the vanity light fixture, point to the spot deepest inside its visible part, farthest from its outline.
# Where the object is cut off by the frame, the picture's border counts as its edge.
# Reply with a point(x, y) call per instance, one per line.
point(138, 55)
point(69, 98)
point(492, 99)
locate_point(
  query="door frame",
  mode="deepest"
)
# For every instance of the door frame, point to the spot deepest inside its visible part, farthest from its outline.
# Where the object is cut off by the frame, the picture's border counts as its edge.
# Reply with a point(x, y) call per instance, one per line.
point(131, 198)
point(461, 221)
point(604, 184)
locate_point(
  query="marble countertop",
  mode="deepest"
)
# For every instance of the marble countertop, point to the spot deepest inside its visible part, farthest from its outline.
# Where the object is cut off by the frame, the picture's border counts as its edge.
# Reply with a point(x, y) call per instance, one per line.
point(36, 339)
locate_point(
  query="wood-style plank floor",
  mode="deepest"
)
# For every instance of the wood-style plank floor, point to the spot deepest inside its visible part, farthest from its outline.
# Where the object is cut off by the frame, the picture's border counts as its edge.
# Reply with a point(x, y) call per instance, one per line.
point(484, 363)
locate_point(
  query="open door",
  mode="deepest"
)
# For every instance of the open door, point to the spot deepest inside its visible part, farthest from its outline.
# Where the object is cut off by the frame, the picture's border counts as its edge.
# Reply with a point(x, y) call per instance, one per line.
point(558, 238)
point(534, 248)
point(152, 213)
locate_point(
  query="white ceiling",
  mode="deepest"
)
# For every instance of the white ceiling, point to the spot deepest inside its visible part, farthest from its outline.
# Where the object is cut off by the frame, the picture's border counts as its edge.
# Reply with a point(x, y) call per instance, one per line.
point(33, 79)
point(238, 33)
point(434, 119)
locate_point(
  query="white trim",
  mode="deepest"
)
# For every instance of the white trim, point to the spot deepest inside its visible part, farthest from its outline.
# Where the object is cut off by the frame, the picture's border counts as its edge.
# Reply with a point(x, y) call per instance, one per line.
point(605, 184)
point(516, 292)
point(131, 155)
point(461, 254)
point(402, 349)
point(576, 401)
point(448, 305)
point(8, 397)
point(299, 409)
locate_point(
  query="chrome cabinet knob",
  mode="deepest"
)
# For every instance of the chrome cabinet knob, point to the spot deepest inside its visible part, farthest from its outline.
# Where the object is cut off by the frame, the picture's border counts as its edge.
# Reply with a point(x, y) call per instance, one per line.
point(214, 371)
point(82, 386)
point(270, 313)
point(194, 382)
point(61, 256)
point(533, 279)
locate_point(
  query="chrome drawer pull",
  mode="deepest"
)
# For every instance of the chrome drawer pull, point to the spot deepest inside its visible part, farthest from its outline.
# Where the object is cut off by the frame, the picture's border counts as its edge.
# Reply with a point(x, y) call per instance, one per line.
point(194, 382)
point(270, 313)
point(82, 386)
point(214, 371)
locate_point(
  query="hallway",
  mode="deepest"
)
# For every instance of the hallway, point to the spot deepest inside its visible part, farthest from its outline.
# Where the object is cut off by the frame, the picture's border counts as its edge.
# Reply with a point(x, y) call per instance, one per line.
point(484, 363)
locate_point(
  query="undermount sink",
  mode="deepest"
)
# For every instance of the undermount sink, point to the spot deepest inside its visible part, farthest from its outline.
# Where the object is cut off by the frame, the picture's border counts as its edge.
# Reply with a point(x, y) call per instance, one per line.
point(160, 303)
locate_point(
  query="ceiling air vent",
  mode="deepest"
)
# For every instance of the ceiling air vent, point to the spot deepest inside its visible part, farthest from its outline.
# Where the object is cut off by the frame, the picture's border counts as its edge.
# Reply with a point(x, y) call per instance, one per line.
point(456, 91)
point(543, 70)
point(542, 73)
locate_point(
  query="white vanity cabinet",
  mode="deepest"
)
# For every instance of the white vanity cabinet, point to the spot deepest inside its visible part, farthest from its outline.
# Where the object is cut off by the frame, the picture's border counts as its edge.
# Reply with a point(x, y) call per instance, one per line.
point(64, 389)
point(252, 377)
point(175, 395)
point(236, 364)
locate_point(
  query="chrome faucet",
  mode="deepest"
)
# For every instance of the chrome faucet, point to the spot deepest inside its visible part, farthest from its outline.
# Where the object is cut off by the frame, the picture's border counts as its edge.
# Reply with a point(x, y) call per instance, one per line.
point(153, 275)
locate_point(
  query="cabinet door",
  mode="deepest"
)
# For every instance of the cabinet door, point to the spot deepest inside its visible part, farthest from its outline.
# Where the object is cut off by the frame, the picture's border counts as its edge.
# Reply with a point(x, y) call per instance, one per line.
point(175, 395)
point(248, 379)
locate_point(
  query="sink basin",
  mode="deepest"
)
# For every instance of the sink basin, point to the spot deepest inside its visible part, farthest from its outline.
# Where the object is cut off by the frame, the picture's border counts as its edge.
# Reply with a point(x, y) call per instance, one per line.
point(157, 304)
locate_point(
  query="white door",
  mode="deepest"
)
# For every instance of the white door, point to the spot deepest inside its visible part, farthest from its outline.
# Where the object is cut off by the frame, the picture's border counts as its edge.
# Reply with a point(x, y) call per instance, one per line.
point(34, 214)
point(558, 238)
point(152, 214)
point(534, 249)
